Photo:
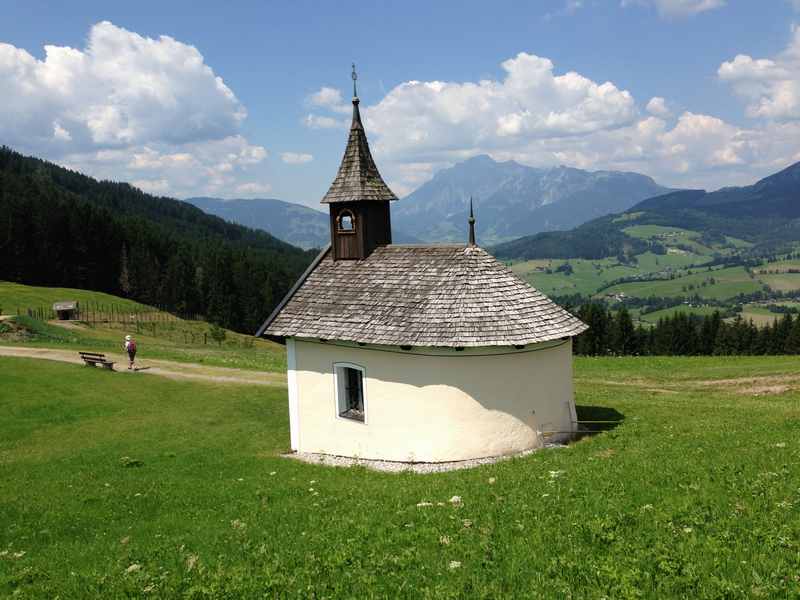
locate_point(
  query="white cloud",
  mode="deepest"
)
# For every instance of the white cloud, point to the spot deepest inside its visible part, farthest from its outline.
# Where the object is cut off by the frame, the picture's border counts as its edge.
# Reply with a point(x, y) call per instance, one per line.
point(770, 86)
point(152, 186)
point(657, 106)
point(127, 107)
point(568, 9)
point(677, 8)
point(253, 189)
point(123, 89)
point(213, 167)
point(330, 98)
point(539, 118)
point(417, 118)
point(295, 158)
point(313, 121)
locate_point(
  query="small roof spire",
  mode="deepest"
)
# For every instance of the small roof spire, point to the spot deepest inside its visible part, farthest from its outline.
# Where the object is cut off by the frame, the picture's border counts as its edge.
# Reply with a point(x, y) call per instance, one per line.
point(358, 177)
point(471, 224)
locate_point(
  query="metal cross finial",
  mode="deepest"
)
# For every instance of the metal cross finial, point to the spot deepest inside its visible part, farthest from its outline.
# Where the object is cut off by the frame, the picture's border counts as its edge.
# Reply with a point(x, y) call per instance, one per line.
point(355, 77)
point(471, 224)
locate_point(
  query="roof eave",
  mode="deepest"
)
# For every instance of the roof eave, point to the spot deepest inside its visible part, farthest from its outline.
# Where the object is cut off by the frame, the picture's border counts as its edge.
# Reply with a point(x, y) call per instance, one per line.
point(292, 291)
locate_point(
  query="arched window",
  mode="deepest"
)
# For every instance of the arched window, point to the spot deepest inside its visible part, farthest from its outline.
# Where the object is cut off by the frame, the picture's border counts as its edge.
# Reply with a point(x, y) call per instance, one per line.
point(346, 222)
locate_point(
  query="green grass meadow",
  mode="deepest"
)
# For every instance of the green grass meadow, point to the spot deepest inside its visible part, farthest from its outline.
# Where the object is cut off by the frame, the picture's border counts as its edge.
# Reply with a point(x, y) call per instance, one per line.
point(117, 485)
point(15, 298)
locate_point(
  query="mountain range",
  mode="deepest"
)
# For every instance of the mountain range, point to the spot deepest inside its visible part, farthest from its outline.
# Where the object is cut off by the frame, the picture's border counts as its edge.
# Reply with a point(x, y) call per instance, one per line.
point(511, 200)
point(299, 225)
point(294, 223)
point(765, 214)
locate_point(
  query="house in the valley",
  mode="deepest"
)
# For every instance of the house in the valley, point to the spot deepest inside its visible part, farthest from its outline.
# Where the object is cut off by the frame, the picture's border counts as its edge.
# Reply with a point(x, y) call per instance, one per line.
point(417, 353)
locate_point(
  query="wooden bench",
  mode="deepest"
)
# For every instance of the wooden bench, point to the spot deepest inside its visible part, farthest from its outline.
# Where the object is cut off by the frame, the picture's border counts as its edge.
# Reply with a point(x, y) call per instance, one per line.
point(92, 359)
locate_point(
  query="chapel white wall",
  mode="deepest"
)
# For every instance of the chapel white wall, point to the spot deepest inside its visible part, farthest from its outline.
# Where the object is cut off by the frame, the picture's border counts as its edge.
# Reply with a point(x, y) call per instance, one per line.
point(432, 408)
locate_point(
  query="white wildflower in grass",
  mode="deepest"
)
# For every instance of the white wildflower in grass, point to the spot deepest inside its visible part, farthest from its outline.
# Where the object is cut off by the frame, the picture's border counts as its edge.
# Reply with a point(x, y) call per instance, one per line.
point(545, 495)
point(444, 540)
point(780, 445)
point(191, 561)
point(240, 479)
point(312, 482)
point(440, 504)
point(149, 588)
point(273, 473)
point(687, 530)
point(647, 507)
point(467, 523)
point(423, 504)
point(455, 500)
point(19, 554)
point(310, 489)
point(238, 525)
point(454, 564)
point(3, 553)
point(492, 480)
point(556, 474)
point(135, 567)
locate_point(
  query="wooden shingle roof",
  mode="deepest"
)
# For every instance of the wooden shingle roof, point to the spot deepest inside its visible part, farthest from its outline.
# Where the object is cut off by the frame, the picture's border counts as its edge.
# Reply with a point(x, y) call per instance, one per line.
point(358, 177)
point(441, 296)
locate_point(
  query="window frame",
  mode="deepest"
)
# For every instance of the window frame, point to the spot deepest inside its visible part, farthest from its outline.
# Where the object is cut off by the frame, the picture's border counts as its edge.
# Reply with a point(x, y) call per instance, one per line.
point(339, 228)
point(338, 386)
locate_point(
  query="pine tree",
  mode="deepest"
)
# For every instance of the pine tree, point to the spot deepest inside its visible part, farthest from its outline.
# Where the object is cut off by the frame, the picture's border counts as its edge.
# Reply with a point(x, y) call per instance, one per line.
point(124, 273)
point(623, 334)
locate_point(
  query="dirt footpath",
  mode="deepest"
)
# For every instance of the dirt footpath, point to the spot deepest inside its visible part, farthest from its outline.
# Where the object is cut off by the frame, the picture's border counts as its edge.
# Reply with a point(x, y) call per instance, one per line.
point(163, 368)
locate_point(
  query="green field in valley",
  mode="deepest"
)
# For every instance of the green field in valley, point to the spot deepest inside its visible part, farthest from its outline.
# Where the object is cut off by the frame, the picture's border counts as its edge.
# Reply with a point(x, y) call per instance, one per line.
point(589, 276)
point(120, 485)
point(718, 284)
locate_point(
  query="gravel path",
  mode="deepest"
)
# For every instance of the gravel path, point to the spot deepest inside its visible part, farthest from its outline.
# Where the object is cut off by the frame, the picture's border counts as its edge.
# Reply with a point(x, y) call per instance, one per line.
point(163, 368)
point(395, 467)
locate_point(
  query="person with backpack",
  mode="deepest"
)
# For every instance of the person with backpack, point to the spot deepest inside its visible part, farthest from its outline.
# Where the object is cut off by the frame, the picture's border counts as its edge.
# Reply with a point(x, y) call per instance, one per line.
point(130, 348)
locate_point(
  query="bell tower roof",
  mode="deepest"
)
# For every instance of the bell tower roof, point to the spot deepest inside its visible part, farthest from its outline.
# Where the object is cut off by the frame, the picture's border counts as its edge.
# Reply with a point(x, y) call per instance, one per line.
point(358, 178)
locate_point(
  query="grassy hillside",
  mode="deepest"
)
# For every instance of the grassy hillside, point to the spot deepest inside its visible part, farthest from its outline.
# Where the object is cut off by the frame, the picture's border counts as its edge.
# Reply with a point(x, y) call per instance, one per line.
point(159, 335)
point(123, 486)
point(15, 298)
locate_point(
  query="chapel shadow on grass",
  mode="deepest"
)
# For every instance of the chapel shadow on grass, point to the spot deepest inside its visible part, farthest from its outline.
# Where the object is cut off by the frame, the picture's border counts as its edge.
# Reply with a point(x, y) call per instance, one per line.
point(594, 419)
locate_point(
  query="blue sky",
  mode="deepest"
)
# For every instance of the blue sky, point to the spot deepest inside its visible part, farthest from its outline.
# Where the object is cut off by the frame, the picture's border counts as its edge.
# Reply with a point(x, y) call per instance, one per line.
point(251, 99)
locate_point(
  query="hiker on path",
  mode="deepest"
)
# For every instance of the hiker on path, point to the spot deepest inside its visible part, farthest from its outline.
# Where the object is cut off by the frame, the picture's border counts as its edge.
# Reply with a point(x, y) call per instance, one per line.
point(130, 348)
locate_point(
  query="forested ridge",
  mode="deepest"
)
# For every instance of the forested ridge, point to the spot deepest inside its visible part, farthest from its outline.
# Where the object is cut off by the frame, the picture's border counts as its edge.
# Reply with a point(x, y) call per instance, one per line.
point(61, 228)
point(613, 333)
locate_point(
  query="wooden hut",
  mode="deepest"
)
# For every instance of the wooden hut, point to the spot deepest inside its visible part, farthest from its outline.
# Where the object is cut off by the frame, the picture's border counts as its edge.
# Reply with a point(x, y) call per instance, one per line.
point(417, 353)
point(66, 310)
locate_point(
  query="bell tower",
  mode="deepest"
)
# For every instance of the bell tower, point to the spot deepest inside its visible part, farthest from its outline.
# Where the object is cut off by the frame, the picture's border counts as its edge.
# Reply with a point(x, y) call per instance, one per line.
point(358, 197)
